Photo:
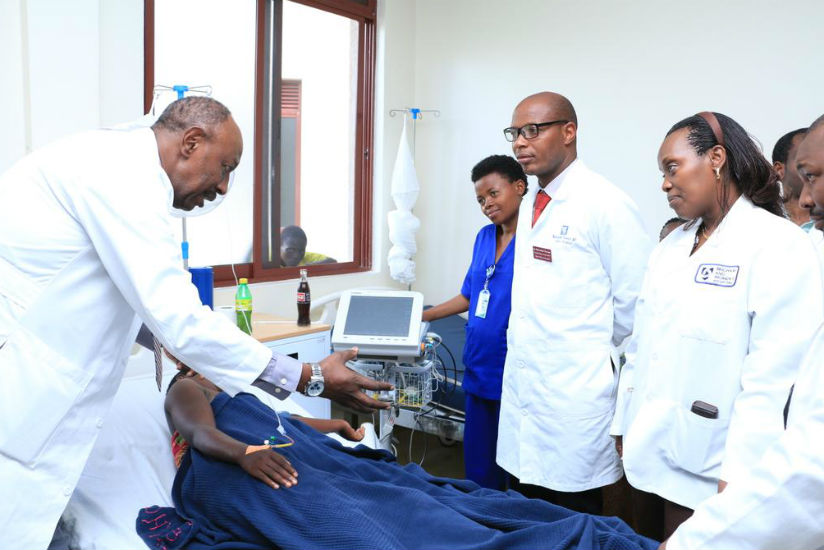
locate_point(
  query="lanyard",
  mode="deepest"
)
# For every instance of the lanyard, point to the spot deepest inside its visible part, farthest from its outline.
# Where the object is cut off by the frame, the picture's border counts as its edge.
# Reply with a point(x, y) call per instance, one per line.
point(490, 271)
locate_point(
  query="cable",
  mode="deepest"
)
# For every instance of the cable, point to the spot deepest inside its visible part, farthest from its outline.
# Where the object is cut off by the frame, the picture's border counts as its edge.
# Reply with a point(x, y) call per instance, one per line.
point(454, 363)
point(449, 391)
point(412, 433)
point(425, 442)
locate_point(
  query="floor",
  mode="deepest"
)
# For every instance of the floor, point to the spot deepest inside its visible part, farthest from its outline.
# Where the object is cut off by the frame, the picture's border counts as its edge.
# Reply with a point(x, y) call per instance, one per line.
point(427, 450)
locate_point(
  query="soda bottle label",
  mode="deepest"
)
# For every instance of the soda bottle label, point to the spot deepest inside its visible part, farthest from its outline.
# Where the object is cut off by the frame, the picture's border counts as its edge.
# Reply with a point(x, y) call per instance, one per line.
point(303, 298)
point(243, 304)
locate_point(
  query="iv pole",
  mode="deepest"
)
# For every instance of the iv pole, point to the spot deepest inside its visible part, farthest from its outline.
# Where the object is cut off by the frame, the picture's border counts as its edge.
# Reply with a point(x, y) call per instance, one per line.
point(416, 114)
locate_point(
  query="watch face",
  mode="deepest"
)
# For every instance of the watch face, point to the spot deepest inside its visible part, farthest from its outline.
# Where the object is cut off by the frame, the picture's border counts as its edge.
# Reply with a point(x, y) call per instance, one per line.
point(314, 389)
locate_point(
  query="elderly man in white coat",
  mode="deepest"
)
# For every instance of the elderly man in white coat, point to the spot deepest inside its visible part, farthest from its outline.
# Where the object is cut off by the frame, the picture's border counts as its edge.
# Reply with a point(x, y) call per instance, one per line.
point(87, 252)
point(780, 502)
point(579, 261)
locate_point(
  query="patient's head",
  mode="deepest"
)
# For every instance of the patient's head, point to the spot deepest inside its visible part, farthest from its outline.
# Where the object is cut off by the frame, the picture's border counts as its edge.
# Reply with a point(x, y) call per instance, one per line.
point(500, 184)
point(185, 371)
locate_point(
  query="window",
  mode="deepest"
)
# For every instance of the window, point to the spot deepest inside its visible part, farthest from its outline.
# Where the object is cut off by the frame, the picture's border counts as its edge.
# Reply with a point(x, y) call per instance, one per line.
point(290, 140)
point(298, 77)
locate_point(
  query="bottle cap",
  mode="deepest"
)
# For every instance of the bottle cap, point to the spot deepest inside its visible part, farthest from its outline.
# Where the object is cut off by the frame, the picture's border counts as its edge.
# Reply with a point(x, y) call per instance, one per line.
point(243, 281)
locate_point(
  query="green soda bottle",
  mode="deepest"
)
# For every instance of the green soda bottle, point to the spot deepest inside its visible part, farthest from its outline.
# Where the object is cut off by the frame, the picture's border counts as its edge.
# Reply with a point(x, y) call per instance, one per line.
point(243, 306)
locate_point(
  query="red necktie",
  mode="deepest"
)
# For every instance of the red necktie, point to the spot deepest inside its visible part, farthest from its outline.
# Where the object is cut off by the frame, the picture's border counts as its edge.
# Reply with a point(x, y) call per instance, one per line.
point(541, 200)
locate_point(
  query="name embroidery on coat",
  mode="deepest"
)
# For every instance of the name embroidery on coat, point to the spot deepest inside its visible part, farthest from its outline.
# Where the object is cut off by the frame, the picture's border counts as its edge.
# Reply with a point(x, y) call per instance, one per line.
point(544, 254)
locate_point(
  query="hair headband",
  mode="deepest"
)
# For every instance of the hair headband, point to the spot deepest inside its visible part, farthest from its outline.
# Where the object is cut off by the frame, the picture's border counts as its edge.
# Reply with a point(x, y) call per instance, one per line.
point(714, 126)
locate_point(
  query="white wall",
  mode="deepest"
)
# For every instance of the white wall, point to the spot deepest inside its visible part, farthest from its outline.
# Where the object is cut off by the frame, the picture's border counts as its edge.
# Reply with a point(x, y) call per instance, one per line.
point(631, 68)
point(13, 84)
point(67, 67)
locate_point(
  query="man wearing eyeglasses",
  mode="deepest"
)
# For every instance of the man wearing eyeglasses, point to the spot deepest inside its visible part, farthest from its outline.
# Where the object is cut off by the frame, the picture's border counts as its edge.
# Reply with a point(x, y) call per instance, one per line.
point(579, 261)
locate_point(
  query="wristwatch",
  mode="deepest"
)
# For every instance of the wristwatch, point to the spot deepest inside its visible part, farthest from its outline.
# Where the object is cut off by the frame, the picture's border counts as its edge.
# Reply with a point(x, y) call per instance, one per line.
point(314, 387)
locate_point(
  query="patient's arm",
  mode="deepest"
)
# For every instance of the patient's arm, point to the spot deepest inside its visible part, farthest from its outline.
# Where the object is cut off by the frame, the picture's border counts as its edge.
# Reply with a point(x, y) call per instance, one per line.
point(338, 426)
point(190, 413)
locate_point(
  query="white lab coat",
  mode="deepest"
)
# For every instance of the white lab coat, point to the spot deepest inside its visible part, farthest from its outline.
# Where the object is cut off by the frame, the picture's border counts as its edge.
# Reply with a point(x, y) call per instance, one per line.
point(780, 502)
point(559, 387)
point(86, 252)
point(817, 238)
point(727, 326)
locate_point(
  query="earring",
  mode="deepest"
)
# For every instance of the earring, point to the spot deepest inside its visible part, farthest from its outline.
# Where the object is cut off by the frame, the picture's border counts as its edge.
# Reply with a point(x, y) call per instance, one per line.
point(718, 174)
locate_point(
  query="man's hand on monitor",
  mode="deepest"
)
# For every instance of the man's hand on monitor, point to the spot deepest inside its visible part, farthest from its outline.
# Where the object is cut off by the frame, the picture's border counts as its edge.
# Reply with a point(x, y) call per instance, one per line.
point(343, 385)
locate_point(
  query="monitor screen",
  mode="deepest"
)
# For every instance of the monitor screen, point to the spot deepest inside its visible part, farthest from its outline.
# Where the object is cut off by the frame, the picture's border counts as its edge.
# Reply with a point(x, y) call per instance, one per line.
point(378, 316)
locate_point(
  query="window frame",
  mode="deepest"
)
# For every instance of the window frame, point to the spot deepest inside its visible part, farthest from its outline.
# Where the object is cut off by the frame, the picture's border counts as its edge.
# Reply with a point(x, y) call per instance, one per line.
point(266, 144)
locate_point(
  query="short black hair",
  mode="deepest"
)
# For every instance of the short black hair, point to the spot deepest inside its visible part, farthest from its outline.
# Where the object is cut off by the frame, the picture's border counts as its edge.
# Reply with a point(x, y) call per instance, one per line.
point(192, 111)
point(504, 165)
point(293, 233)
point(781, 151)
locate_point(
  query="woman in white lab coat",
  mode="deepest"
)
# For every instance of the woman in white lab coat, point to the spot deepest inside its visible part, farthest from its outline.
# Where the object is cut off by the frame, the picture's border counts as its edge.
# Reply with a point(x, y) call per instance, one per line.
point(729, 303)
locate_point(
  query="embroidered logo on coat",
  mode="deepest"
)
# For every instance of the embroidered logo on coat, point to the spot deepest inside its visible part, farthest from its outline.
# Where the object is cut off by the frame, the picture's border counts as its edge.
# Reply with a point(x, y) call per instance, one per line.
point(563, 235)
point(717, 274)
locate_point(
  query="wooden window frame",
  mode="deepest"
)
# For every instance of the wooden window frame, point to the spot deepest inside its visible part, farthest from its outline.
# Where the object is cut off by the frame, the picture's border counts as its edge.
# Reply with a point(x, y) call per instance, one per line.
point(269, 16)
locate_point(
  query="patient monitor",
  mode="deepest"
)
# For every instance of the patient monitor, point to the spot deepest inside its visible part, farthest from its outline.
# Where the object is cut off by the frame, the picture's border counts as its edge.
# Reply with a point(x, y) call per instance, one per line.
point(393, 346)
point(383, 324)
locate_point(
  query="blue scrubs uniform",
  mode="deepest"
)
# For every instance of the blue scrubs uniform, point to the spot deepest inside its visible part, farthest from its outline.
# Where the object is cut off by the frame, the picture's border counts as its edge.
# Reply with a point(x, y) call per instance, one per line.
point(484, 355)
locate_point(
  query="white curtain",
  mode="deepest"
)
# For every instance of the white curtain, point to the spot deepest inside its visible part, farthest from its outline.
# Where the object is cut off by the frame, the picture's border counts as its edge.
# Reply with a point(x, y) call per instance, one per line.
point(402, 223)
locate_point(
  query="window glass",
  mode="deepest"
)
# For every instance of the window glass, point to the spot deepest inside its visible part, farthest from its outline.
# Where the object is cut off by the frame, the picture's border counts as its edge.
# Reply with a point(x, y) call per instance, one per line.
point(309, 172)
point(319, 69)
point(190, 50)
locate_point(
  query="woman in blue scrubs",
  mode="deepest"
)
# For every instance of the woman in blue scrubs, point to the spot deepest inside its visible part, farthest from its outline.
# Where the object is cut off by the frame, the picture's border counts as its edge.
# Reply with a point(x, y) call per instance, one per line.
point(500, 183)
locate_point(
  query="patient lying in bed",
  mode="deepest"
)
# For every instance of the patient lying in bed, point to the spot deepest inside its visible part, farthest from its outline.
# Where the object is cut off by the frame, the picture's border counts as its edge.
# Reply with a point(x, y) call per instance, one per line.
point(308, 491)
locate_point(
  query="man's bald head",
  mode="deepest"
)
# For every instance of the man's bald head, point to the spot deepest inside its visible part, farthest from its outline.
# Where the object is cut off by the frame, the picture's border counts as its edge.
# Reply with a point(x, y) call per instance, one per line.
point(817, 124)
point(556, 104)
point(192, 111)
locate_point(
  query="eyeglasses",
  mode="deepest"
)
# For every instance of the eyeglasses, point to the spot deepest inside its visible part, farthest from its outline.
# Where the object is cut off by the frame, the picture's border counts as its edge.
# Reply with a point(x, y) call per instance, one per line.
point(529, 131)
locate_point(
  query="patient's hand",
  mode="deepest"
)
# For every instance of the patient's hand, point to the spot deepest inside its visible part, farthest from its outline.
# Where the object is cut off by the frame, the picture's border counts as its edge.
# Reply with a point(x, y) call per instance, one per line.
point(346, 431)
point(272, 468)
point(337, 426)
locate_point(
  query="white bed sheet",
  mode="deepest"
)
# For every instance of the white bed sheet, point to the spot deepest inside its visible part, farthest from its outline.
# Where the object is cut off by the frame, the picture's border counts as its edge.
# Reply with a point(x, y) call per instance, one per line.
point(131, 464)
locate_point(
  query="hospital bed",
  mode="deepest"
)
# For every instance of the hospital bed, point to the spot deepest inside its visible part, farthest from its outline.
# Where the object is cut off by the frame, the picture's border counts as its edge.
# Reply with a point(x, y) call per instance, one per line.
point(131, 464)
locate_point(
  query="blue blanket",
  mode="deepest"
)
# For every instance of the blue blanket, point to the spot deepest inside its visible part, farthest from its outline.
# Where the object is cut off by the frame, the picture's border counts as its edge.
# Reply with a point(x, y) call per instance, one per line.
point(352, 499)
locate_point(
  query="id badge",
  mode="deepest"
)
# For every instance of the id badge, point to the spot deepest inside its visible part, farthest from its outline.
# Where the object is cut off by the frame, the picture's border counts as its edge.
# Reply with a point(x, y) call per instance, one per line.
point(483, 303)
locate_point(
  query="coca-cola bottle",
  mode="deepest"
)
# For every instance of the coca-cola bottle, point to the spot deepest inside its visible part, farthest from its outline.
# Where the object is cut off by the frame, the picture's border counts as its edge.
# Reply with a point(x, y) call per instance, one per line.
point(304, 300)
